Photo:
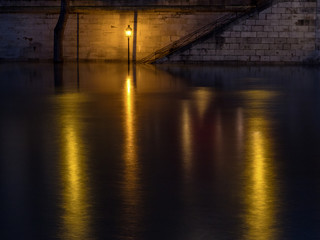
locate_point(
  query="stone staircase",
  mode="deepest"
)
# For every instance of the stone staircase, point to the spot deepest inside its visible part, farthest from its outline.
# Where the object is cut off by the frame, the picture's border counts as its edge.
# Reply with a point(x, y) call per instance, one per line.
point(201, 34)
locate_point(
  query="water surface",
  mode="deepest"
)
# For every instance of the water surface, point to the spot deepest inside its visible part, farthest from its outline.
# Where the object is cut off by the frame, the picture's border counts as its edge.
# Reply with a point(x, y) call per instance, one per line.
point(169, 152)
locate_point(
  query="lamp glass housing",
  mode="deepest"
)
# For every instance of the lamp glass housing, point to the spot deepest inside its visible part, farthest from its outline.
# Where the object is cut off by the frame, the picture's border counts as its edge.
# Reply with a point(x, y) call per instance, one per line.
point(128, 31)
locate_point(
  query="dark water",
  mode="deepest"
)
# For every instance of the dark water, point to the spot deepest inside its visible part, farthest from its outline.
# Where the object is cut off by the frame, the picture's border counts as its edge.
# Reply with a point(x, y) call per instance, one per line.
point(173, 152)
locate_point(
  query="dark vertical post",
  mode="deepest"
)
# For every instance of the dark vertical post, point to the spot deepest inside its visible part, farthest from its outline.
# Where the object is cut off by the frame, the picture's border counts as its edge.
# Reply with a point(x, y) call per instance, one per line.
point(78, 45)
point(78, 75)
point(58, 76)
point(78, 27)
point(134, 43)
point(59, 31)
point(134, 74)
point(128, 55)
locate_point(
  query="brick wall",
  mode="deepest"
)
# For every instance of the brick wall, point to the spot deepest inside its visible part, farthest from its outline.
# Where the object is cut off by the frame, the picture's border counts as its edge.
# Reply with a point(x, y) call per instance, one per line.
point(287, 32)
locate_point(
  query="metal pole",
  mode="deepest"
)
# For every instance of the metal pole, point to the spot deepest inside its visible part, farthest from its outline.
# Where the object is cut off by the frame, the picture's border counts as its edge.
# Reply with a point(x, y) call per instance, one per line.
point(128, 54)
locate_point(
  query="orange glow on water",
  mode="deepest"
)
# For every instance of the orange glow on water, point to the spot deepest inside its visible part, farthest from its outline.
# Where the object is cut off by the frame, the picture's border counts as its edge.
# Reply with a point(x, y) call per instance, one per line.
point(260, 193)
point(75, 202)
point(131, 197)
point(186, 138)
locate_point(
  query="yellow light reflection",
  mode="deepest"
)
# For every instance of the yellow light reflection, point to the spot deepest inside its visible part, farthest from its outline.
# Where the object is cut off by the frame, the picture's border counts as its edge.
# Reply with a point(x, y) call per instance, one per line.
point(75, 203)
point(130, 152)
point(203, 98)
point(131, 180)
point(186, 135)
point(128, 83)
point(260, 194)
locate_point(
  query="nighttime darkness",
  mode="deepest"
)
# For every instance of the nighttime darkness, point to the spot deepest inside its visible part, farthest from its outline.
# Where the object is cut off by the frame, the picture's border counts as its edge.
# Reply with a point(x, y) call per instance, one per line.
point(159, 120)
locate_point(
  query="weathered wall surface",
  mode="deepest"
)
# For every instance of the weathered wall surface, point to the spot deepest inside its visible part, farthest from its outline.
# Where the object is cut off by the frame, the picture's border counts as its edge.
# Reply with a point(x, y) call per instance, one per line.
point(123, 2)
point(26, 36)
point(317, 31)
point(286, 32)
point(101, 33)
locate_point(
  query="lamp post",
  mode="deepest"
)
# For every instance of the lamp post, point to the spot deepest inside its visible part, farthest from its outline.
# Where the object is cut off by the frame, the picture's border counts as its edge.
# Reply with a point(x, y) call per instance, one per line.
point(128, 34)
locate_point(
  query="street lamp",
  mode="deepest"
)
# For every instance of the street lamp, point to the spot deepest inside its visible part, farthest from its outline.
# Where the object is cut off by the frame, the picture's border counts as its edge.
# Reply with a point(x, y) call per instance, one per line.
point(128, 34)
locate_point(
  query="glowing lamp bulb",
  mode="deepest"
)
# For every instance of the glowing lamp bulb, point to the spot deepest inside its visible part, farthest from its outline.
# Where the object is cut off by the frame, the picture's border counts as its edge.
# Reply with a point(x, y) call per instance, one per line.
point(128, 31)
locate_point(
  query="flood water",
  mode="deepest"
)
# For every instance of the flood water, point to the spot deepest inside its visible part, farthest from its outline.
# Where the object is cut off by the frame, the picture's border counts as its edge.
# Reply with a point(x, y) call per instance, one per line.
point(175, 152)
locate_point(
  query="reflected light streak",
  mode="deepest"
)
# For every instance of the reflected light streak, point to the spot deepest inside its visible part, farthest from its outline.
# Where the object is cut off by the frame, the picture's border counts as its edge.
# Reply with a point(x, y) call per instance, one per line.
point(76, 216)
point(131, 181)
point(259, 174)
point(130, 145)
point(186, 136)
point(260, 187)
point(128, 83)
point(219, 133)
point(203, 98)
point(239, 129)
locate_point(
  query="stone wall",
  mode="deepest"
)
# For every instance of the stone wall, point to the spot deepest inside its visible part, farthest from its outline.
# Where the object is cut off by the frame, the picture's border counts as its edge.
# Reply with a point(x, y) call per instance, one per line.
point(317, 31)
point(123, 2)
point(101, 34)
point(287, 32)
